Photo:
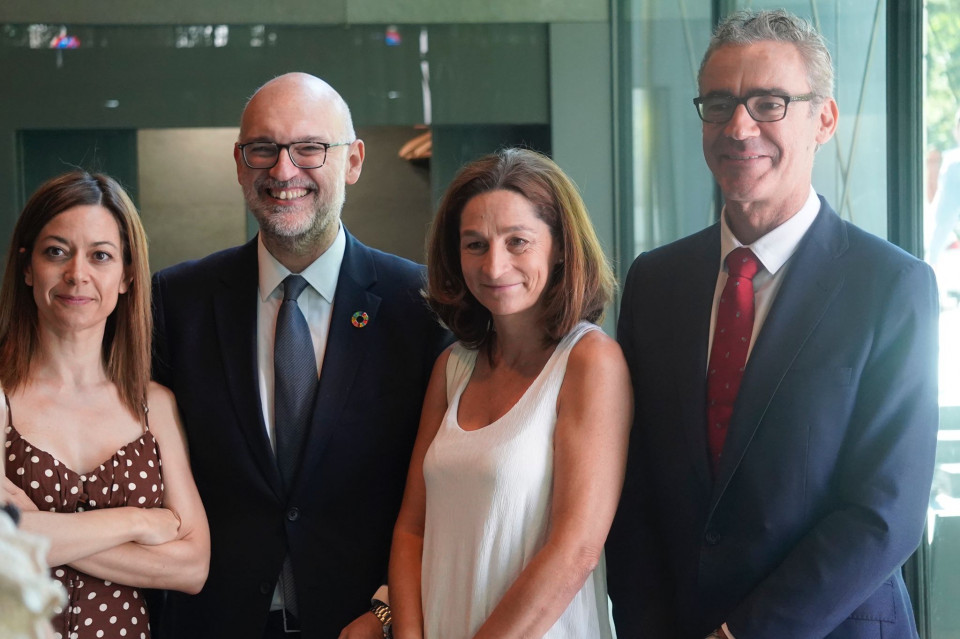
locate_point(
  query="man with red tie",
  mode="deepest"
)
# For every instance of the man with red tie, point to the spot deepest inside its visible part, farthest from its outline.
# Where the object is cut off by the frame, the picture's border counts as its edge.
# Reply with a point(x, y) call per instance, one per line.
point(784, 369)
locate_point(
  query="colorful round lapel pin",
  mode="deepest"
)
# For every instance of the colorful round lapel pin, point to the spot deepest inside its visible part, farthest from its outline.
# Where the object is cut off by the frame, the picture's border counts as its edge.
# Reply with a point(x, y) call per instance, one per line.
point(360, 319)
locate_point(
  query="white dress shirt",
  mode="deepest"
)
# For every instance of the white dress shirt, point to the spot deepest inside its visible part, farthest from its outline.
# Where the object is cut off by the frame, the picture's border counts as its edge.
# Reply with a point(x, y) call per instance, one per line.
point(774, 251)
point(315, 302)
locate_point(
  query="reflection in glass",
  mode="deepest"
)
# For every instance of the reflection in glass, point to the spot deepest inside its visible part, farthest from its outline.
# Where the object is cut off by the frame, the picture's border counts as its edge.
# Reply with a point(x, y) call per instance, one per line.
point(941, 216)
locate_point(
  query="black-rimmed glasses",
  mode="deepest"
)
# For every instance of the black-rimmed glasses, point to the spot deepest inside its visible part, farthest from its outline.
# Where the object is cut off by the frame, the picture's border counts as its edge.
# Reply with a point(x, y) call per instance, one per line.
point(718, 109)
point(304, 155)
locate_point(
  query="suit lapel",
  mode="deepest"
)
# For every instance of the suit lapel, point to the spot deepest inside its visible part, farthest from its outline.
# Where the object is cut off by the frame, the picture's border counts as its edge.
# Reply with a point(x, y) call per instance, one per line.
point(235, 313)
point(347, 346)
point(809, 286)
point(694, 289)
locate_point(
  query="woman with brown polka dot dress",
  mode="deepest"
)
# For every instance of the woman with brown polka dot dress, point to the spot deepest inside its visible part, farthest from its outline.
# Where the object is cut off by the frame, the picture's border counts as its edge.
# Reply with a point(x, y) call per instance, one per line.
point(83, 461)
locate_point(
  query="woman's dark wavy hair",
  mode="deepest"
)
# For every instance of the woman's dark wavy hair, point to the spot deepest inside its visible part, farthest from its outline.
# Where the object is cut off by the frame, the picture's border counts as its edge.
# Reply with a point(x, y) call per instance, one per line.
point(580, 286)
point(126, 340)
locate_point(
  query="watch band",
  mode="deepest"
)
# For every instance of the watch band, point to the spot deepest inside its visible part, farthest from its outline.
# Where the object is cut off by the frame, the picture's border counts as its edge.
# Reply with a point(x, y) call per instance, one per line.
point(382, 612)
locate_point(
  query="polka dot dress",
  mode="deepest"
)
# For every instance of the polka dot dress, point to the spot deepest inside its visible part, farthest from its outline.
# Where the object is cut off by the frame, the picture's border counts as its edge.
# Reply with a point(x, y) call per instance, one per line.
point(131, 477)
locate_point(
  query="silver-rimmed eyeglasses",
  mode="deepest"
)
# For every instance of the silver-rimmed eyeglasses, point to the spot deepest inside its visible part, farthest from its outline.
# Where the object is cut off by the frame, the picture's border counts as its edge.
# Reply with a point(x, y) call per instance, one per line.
point(718, 109)
point(304, 155)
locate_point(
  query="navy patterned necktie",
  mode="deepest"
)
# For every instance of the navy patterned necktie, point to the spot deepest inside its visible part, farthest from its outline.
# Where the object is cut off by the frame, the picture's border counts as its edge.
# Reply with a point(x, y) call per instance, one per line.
point(295, 380)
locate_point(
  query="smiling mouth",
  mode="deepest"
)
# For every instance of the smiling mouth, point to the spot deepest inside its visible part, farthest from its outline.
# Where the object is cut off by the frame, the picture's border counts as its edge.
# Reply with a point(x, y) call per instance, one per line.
point(287, 194)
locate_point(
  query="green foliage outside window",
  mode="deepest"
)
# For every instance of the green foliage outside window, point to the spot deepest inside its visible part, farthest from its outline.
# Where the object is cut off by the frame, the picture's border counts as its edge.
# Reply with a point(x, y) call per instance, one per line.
point(943, 72)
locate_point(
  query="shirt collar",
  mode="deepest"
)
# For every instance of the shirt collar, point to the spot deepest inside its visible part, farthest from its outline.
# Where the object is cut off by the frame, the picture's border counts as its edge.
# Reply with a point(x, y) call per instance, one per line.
point(776, 247)
point(321, 275)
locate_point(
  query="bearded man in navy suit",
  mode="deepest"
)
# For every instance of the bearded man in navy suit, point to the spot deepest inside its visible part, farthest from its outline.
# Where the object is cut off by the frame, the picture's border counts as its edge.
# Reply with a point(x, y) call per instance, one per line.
point(297, 548)
point(786, 508)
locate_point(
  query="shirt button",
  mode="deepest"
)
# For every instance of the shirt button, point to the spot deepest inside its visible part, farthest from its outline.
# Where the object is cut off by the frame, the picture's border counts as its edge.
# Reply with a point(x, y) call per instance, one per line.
point(293, 514)
point(712, 537)
point(265, 588)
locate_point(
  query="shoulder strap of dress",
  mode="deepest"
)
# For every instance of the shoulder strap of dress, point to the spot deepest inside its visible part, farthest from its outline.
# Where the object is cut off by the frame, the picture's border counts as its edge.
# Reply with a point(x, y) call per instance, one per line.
point(459, 363)
point(6, 404)
point(9, 426)
point(578, 331)
point(146, 417)
point(567, 343)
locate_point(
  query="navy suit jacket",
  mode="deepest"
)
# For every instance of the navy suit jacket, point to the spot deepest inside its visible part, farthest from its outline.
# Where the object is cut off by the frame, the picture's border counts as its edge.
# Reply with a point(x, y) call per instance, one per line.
point(337, 521)
point(825, 475)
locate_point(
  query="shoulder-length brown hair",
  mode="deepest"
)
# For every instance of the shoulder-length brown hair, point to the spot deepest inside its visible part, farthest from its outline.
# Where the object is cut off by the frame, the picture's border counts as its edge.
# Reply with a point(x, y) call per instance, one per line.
point(581, 284)
point(126, 341)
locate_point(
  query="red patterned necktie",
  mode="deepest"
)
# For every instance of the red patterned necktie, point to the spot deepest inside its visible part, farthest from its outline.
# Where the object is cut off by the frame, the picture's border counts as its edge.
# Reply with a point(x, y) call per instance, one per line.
point(731, 341)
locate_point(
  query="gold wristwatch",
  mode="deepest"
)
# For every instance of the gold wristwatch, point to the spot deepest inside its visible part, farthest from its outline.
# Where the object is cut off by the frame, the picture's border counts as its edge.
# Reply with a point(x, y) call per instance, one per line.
point(382, 612)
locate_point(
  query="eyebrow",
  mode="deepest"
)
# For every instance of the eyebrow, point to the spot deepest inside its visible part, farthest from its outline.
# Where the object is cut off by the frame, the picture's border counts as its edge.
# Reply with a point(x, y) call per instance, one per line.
point(309, 138)
point(749, 94)
point(64, 240)
point(509, 229)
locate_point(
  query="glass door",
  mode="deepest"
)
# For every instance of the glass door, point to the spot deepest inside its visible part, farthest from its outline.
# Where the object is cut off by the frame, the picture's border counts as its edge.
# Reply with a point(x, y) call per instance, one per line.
point(942, 251)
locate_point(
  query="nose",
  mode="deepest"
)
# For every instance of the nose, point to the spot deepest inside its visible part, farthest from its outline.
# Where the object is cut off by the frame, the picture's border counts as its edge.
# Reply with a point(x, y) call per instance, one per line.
point(494, 262)
point(284, 169)
point(741, 124)
point(75, 271)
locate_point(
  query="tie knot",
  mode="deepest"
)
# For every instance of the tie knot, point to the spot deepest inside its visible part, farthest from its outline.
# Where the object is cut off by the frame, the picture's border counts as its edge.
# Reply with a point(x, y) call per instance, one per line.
point(293, 285)
point(741, 262)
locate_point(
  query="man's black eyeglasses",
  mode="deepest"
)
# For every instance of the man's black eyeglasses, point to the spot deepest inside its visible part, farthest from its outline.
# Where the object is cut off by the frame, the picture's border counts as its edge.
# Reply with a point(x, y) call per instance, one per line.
point(718, 109)
point(304, 155)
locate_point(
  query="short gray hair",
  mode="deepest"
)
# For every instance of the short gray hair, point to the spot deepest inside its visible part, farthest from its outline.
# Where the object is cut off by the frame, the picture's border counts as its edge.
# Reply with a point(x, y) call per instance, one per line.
point(750, 27)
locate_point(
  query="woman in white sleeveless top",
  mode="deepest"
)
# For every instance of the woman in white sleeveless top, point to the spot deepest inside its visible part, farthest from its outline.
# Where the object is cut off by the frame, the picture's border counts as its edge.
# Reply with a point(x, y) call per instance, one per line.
point(519, 461)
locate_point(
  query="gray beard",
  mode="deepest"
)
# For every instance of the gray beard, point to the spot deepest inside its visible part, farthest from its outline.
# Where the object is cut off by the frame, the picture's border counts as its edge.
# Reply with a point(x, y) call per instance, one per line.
point(325, 215)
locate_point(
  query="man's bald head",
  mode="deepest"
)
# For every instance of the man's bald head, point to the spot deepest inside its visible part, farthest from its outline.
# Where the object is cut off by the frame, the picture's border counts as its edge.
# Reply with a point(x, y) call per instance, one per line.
point(304, 91)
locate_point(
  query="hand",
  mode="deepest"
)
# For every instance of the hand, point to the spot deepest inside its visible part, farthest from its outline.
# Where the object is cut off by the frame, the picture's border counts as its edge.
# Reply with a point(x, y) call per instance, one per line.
point(366, 626)
point(156, 526)
point(12, 494)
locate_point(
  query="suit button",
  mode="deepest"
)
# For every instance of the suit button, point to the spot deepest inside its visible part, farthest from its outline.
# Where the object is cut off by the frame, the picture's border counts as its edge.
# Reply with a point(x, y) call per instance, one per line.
point(293, 514)
point(712, 537)
point(265, 588)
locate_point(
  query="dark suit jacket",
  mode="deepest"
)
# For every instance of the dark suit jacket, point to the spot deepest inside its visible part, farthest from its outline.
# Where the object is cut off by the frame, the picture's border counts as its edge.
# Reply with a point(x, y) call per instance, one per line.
point(825, 475)
point(337, 521)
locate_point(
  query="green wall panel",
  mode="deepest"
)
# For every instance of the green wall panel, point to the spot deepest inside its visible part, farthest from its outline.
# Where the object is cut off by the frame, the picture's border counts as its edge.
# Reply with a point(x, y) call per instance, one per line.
point(301, 12)
point(175, 11)
point(400, 11)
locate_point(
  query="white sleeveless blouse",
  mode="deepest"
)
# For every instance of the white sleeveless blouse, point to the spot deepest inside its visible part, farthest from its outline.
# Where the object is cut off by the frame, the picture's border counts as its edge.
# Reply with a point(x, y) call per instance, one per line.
point(488, 507)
